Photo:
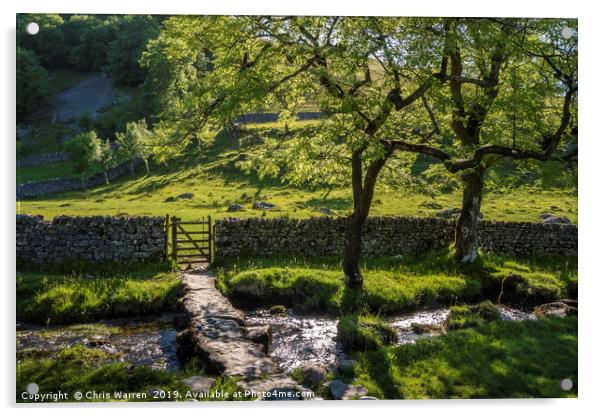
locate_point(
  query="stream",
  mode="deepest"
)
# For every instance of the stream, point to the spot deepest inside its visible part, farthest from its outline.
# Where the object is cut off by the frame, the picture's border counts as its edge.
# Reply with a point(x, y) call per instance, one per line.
point(149, 342)
point(297, 340)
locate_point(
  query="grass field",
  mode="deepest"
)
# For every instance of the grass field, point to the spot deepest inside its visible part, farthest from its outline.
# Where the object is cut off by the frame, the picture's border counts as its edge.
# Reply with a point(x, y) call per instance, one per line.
point(45, 172)
point(503, 359)
point(217, 181)
point(215, 188)
point(392, 284)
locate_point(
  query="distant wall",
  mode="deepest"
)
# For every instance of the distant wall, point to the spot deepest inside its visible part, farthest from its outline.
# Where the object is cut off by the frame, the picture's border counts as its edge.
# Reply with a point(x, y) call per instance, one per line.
point(52, 186)
point(384, 236)
point(98, 238)
point(36, 160)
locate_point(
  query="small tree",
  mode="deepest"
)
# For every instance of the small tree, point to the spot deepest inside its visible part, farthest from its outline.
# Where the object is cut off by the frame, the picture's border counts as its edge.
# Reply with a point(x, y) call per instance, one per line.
point(84, 151)
point(134, 143)
point(106, 158)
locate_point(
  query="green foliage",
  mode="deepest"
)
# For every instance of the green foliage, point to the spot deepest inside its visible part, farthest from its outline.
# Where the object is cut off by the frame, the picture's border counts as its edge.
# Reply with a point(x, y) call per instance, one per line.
point(81, 293)
point(106, 155)
point(31, 83)
point(84, 150)
point(125, 51)
point(95, 34)
point(362, 333)
point(85, 121)
point(504, 359)
point(49, 44)
point(134, 142)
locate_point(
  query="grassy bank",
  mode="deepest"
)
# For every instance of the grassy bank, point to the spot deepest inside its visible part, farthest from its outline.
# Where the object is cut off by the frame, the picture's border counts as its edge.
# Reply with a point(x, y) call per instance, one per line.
point(503, 359)
point(81, 369)
point(394, 284)
point(84, 293)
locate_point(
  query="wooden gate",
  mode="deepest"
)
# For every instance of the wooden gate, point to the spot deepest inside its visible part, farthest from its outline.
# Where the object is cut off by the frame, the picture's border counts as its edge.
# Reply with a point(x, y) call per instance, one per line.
point(191, 241)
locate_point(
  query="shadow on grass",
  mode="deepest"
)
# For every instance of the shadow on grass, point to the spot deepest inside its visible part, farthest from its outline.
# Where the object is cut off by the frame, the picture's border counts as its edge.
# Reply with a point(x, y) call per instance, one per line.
point(499, 360)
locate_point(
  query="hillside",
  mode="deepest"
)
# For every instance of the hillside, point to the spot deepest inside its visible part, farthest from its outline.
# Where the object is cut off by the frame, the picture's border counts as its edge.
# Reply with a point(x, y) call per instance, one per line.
point(215, 182)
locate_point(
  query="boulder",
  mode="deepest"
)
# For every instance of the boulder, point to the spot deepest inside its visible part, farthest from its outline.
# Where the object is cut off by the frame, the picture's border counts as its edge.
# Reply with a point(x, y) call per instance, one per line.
point(326, 211)
point(261, 335)
point(344, 391)
point(263, 205)
point(235, 207)
point(420, 328)
point(276, 387)
point(313, 374)
point(199, 384)
point(448, 213)
point(554, 309)
point(553, 219)
point(278, 310)
point(430, 205)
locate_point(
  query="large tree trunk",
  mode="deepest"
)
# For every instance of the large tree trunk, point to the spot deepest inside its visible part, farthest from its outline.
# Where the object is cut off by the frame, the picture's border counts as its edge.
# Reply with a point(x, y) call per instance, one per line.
point(132, 167)
point(353, 251)
point(83, 179)
point(363, 191)
point(466, 239)
point(106, 177)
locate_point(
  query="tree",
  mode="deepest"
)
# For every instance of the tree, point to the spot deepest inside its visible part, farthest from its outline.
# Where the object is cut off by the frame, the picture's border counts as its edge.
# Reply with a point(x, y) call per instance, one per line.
point(501, 73)
point(49, 44)
point(125, 51)
point(134, 143)
point(31, 82)
point(376, 79)
point(84, 150)
point(94, 35)
point(106, 158)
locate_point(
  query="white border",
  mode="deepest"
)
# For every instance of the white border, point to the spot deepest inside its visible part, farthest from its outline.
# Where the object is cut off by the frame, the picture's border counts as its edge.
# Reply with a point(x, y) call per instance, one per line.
point(590, 203)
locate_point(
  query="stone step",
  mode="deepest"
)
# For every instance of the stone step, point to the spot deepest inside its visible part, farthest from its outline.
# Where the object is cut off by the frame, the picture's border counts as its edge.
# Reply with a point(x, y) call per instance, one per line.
point(220, 337)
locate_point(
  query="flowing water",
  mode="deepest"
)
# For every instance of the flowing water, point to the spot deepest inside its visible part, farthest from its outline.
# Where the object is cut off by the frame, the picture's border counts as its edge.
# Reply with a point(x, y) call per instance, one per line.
point(149, 342)
point(297, 340)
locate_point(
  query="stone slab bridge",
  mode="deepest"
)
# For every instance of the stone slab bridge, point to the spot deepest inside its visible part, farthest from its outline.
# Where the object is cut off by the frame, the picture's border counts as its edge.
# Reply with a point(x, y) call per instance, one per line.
point(219, 335)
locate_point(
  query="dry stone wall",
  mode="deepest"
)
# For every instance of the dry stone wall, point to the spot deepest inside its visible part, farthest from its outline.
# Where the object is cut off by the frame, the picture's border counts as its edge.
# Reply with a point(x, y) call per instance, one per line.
point(52, 186)
point(385, 236)
point(98, 238)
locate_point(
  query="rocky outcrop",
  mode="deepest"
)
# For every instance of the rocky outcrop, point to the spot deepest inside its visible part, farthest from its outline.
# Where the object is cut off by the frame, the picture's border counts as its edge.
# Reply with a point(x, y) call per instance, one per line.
point(220, 337)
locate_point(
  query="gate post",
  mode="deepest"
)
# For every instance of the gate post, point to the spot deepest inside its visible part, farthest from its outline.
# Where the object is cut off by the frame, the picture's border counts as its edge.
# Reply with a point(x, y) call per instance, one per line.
point(210, 238)
point(174, 238)
point(166, 248)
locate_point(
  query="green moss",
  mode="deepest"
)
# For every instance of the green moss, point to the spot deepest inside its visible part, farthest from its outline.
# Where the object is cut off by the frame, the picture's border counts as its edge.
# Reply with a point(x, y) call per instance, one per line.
point(503, 359)
point(361, 333)
point(471, 316)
